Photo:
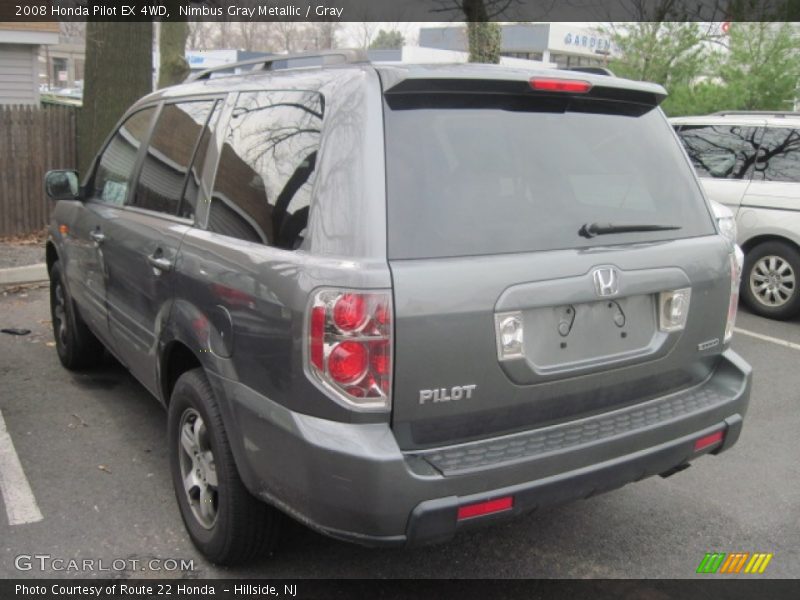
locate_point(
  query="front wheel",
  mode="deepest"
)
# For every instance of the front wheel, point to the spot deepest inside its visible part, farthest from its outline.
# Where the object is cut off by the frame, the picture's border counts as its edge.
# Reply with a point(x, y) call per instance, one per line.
point(77, 347)
point(225, 522)
point(769, 281)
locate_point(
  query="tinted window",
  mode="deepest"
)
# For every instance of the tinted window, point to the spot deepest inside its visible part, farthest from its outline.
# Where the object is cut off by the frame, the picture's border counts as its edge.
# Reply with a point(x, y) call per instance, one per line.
point(779, 157)
point(720, 151)
point(115, 167)
point(265, 174)
point(169, 154)
point(516, 175)
point(195, 180)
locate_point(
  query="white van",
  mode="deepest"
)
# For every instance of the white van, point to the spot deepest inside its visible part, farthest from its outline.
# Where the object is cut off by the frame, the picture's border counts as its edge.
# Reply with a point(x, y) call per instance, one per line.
point(750, 162)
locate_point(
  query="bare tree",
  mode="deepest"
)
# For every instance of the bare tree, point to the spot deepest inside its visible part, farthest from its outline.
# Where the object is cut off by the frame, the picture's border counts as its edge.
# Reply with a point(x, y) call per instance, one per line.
point(322, 35)
point(366, 33)
point(72, 31)
point(198, 35)
point(483, 35)
point(287, 34)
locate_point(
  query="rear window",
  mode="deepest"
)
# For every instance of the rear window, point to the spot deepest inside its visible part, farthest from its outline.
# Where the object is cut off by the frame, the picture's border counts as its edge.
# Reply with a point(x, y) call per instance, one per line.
point(501, 173)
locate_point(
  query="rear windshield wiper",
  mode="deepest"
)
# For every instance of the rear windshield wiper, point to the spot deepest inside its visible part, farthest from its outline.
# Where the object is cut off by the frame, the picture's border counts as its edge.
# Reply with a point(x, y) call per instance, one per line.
point(589, 231)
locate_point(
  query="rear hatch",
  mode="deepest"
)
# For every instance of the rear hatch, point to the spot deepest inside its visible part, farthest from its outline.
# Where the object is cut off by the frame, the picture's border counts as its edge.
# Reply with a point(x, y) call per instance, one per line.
point(534, 239)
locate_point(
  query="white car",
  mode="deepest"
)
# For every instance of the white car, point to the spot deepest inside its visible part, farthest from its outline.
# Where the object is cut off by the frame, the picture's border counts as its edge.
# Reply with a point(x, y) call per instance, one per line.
point(750, 162)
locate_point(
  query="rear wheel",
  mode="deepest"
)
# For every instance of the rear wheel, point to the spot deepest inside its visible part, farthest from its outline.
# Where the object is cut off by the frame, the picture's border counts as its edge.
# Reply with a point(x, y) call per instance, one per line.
point(77, 347)
point(770, 280)
point(226, 523)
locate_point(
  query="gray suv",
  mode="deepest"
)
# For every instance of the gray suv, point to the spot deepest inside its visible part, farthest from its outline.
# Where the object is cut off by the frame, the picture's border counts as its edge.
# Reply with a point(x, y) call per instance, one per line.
point(395, 302)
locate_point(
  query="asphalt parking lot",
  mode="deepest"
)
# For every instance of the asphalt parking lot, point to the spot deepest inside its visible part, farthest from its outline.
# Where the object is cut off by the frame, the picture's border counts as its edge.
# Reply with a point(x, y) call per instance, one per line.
point(92, 449)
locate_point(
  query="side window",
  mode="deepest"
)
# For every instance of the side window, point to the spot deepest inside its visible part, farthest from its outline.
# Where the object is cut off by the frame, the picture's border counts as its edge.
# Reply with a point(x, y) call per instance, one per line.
point(720, 151)
point(115, 167)
point(266, 170)
point(779, 157)
point(195, 180)
point(169, 155)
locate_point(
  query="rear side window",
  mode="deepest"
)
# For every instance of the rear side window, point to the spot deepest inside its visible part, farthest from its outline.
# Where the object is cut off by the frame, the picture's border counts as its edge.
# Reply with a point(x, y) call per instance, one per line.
point(499, 174)
point(169, 155)
point(779, 157)
point(265, 175)
point(721, 151)
point(115, 167)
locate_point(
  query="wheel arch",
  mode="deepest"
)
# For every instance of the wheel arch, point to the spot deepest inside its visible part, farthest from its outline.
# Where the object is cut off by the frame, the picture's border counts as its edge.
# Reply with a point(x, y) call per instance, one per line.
point(748, 245)
point(176, 359)
point(192, 339)
point(50, 254)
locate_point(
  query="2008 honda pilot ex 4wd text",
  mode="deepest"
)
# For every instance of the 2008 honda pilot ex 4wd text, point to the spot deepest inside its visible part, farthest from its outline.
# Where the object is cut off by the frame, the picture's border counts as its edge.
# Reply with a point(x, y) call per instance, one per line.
point(398, 301)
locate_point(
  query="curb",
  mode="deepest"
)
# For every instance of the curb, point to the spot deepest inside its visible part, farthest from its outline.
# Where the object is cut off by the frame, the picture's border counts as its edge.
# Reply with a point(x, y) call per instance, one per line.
point(27, 274)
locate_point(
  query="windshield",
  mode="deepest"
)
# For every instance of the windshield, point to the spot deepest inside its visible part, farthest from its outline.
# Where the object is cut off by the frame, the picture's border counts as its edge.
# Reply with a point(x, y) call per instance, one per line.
point(488, 174)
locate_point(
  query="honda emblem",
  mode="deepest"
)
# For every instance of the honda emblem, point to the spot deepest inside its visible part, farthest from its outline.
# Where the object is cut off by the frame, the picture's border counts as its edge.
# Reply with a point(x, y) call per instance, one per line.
point(606, 281)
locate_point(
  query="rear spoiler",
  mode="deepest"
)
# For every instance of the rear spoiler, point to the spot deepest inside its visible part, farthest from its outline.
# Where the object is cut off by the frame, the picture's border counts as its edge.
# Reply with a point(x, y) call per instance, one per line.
point(603, 88)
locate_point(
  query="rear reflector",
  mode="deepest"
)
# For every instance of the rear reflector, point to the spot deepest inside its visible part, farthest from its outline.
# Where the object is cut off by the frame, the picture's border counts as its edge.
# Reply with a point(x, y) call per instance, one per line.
point(709, 440)
point(485, 508)
point(546, 84)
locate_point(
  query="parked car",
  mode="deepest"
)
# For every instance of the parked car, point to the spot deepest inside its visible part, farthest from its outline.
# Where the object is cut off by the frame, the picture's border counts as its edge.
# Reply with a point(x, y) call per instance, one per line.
point(399, 301)
point(750, 161)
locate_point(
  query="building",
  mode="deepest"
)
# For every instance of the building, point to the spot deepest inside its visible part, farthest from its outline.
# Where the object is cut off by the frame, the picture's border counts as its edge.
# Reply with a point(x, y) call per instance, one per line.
point(62, 64)
point(19, 59)
point(565, 44)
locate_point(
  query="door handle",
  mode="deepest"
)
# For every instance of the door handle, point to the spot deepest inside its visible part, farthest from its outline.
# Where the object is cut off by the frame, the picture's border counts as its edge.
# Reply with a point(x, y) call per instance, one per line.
point(159, 262)
point(97, 235)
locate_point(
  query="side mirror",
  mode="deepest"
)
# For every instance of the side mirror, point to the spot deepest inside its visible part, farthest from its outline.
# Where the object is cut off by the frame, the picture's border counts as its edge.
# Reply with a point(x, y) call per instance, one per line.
point(62, 185)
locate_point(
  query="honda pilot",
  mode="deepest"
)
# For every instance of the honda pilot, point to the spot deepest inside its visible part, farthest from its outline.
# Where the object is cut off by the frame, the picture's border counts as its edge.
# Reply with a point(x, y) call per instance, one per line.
point(396, 302)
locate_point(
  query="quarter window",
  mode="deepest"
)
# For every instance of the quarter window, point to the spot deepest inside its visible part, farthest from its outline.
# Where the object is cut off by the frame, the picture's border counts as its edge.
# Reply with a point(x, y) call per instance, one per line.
point(779, 156)
point(266, 170)
point(169, 155)
point(720, 151)
point(115, 167)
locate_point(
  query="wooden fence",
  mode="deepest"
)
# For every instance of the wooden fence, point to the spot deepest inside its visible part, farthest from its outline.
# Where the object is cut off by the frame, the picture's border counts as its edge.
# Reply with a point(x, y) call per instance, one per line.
point(33, 140)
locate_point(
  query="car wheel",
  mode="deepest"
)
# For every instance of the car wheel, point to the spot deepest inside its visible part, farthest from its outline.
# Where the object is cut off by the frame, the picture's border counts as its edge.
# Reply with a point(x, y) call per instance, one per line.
point(769, 281)
point(77, 347)
point(225, 522)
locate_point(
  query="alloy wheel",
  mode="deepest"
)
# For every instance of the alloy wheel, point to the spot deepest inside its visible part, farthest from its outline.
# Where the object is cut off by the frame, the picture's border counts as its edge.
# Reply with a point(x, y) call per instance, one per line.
point(772, 281)
point(198, 469)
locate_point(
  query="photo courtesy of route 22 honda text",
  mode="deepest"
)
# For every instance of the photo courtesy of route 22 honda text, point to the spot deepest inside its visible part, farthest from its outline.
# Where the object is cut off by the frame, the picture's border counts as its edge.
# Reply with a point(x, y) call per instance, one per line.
point(395, 302)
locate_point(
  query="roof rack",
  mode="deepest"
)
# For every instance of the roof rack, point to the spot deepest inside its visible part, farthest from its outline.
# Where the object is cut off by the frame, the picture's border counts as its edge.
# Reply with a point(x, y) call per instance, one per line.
point(267, 63)
point(593, 70)
point(756, 113)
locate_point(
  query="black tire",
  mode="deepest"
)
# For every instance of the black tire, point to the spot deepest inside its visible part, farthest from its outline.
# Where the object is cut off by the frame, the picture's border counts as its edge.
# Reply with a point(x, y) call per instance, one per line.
point(242, 527)
point(783, 302)
point(76, 345)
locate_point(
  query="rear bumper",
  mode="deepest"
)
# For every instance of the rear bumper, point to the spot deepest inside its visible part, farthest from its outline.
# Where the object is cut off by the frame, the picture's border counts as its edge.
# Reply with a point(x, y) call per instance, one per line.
point(351, 481)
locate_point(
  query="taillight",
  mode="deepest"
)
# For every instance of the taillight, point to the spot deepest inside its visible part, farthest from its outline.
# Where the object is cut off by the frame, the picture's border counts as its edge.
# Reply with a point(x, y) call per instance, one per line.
point(348, 362)
point(673, 309)
point(550, 84)
point(349, 312)
point(737, 260)
point(349, 346)
point(317, 336)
